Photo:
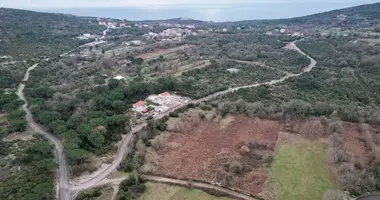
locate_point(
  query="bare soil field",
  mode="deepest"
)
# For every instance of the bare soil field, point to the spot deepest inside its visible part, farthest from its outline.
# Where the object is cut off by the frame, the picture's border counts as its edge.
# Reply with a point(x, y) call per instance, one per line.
point(207, 151)
point(354, 145)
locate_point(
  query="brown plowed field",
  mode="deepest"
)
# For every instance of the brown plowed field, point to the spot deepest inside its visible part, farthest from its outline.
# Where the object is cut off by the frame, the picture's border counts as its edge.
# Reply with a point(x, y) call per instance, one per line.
point(354, 145)
point(204, 152)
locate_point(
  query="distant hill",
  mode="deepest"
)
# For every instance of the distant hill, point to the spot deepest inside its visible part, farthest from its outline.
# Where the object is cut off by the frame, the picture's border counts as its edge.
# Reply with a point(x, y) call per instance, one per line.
point(353, 16)
point(27, 34)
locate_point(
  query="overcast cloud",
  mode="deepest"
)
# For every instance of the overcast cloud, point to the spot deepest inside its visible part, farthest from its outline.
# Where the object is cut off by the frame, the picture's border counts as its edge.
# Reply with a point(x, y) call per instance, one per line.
point(43, 4)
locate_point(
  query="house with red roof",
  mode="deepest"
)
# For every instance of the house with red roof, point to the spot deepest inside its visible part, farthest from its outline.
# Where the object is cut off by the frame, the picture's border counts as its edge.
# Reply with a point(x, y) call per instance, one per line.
point(139, 106)
point(164, 96)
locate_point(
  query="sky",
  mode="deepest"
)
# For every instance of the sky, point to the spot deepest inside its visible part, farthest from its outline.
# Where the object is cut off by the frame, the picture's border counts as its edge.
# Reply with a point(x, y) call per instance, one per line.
point(215, 10)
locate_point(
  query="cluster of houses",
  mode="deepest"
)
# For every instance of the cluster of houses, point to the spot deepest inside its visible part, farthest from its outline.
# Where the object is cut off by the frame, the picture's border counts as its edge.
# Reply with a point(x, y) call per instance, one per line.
point(174, 34)
point(284, 31)
point(144, 107)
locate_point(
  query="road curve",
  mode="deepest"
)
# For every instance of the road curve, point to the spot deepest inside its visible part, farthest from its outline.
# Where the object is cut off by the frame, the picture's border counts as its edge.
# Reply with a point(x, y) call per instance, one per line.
point(63, 188)
point(123, 147)
point(67, 191)
point(121, 152)
point(272, 82)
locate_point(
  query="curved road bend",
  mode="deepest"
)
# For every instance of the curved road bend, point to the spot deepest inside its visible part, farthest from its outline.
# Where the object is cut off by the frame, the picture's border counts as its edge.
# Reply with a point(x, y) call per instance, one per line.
point(68, 192)
point(121, 152)
point(272, 82)
point(63, 178)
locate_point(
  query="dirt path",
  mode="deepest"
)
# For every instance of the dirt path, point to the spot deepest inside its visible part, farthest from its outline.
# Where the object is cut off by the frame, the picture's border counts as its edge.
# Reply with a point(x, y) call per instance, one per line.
point(261, 65)
point(63, 187)
point(68, 192)
point(198, 185)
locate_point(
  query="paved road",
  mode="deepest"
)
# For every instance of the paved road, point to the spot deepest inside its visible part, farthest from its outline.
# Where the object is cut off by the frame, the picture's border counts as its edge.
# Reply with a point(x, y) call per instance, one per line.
point(67, 191)
point(63, 192)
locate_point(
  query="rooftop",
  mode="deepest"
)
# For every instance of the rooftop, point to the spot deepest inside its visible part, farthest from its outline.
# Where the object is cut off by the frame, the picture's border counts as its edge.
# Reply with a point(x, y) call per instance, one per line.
point(140, 103)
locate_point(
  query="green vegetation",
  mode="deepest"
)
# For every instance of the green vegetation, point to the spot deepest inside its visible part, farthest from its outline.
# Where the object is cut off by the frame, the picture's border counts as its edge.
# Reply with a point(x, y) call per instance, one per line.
point(300, 171)
point(15, 119)
point(27, 170)
point(168, 192)
point(27, 34)
point(131, 188)
point(11, 75)
point(216, 77)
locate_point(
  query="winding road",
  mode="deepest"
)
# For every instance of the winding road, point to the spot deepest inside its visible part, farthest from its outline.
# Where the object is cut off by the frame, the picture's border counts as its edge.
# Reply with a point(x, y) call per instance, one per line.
point(63, 185)
point(68, 191)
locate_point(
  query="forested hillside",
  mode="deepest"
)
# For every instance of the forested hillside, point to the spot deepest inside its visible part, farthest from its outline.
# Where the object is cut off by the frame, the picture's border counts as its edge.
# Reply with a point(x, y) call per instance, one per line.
point(26, 34)
point(347, 17)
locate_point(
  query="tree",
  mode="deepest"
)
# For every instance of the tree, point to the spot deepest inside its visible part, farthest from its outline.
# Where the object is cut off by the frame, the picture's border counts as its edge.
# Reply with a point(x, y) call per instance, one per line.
point(117, 120)
point(75, 120)
point(43, 191)
point(84, 129)
point(71, 136)
point(113, 83)
point(45, 117)
point(98, 122)
point(119, 106)
point(47, 164)
point(16, 114)
point(77, 156)
point(58, 126)
point(235, 167)
point(96, 138)
point(18, 125)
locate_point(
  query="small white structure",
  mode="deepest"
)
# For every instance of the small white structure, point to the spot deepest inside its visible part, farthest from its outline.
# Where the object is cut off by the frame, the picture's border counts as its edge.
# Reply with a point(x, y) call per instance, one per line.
point(233, 70)
point(139, 106)
point(282, 30)
point(119, 77)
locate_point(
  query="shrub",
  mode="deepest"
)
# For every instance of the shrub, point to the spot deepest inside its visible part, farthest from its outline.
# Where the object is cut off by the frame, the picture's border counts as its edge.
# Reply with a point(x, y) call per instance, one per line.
point(173, 114)
point(312, 129)
point(235, 167)
point(244, 150)
point(335, 126)
point(334, 140)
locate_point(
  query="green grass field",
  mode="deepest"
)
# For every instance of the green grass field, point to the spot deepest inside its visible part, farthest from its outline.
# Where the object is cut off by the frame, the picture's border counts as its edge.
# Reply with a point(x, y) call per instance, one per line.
point(300, 171)
point(156, 191)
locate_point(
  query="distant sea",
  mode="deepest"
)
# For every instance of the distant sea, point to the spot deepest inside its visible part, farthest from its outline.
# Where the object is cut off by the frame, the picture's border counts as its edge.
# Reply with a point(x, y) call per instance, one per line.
point(215, 12)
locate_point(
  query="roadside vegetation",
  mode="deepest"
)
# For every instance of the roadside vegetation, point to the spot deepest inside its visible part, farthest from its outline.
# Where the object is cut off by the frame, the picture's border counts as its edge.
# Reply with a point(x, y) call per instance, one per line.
point(27, 170)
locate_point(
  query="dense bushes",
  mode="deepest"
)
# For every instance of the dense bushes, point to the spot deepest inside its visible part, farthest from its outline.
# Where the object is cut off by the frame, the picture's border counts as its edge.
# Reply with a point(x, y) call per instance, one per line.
point(352, 175)
point(131, 188)
point(35, 179)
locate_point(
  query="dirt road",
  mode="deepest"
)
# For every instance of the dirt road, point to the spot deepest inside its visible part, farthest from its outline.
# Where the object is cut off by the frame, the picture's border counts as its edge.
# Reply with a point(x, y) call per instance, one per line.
point(63, 191)
point(194, 184)
point(272, 82)
point(68, 192)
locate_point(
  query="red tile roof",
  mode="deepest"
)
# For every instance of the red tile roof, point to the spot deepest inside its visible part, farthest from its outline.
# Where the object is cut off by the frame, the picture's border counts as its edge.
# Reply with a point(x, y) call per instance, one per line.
point(140, 103)
point(164, 94)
